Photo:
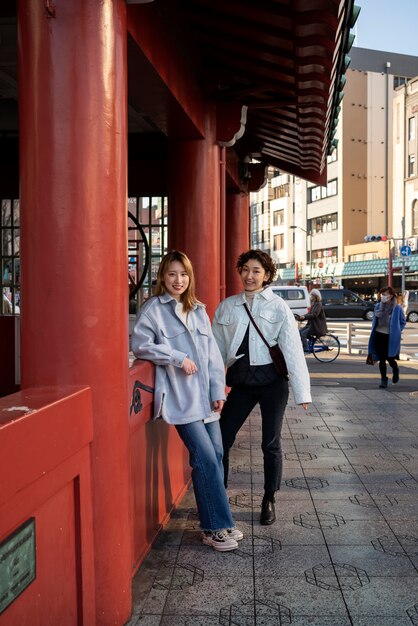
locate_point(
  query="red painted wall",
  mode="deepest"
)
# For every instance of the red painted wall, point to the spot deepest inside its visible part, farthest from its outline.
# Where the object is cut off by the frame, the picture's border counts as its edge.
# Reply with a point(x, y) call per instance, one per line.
point(159, 464)
point(45, 455)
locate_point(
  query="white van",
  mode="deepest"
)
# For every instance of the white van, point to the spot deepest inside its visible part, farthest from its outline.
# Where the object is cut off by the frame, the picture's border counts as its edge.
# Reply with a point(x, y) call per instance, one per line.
point(297, 297)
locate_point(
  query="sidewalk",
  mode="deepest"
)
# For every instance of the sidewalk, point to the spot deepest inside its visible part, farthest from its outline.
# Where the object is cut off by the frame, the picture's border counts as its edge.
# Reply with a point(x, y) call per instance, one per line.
point(344, 548)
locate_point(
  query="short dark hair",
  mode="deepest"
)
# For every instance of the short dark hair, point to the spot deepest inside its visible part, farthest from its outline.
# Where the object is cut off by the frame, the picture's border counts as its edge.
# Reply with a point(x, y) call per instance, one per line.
point(263, 258)
point(387, 289)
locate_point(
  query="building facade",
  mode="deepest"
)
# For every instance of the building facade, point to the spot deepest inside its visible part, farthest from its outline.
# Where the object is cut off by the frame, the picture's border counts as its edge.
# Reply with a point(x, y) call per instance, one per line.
point(316, 232)
point(405, 171)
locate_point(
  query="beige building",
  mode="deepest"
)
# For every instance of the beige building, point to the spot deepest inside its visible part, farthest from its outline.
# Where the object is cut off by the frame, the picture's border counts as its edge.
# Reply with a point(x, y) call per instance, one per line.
point(332, 220)
point(405, 165)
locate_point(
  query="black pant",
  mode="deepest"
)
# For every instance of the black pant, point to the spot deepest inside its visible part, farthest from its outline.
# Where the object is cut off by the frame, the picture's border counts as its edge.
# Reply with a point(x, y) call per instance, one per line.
point(239, 404)
point(381, 341)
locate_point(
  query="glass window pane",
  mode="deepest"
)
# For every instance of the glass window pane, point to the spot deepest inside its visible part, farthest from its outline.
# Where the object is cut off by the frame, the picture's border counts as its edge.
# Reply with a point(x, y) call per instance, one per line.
point(6, 237)
point(6, 212)
point(16, 212)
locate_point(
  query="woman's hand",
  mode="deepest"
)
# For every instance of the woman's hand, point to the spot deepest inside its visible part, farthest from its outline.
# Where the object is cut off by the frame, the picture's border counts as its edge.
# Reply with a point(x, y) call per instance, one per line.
point(189, 367)
point(218, 405)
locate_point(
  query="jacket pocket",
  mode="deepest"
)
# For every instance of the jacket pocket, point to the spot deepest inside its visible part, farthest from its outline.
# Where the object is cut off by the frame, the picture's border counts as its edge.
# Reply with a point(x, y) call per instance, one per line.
point(202, 330)
point(273, 317)
point(226, 319)
point(170, 333)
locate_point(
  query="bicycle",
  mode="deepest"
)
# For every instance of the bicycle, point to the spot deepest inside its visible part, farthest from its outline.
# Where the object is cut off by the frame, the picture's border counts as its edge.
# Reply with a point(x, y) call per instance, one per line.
point(325, 348)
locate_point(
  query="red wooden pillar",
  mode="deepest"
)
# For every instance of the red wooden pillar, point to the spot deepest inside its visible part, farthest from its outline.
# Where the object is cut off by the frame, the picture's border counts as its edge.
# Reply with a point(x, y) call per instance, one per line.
point(222, 216)
point(237, 237)
point(194, 201)
point(73, 152)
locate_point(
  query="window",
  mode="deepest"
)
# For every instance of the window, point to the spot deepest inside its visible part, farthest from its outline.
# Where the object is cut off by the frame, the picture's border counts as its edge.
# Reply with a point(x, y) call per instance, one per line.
point(332, 157)
point(326, 255)
point(411, 128)
point(316, 193)
point(398, 81)
point(367, 256)
point(278, 218)
point(278, 242)
point(10, 256)
point(290, 294)
point(281, 191)
point(265, 235)
point(323, 224)
point(152, 214)
point(415, 217)
point(350, 298)
point(332, 188)
point(411, 165)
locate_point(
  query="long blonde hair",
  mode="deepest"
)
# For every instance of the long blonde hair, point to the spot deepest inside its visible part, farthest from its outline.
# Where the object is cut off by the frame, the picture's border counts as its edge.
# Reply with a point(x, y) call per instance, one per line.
point(188, 298)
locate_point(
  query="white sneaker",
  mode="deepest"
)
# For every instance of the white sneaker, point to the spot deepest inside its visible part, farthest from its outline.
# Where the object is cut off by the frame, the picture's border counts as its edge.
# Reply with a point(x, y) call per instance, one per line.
point(219, 540)
point(235, 533)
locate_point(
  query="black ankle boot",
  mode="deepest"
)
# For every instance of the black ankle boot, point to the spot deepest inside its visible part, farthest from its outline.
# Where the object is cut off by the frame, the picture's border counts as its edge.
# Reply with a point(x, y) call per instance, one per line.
point(383, 383)
point(268, 513)
point(395, 375)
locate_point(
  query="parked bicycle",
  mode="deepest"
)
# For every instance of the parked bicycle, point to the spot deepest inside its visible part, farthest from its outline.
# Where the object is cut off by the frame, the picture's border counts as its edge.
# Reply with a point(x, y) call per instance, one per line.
point(325, 348)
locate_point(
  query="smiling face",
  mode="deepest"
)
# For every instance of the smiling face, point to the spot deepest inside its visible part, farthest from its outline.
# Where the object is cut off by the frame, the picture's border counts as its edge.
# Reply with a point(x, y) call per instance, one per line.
point(253, 275)
point(176, 280)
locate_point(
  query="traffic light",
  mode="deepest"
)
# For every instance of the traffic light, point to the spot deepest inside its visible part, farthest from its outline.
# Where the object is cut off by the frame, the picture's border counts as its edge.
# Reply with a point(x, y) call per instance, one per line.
point(375, 238)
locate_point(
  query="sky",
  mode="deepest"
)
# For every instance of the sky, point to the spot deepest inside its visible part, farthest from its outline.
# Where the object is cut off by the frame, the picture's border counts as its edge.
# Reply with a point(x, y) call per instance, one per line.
point(389, 25)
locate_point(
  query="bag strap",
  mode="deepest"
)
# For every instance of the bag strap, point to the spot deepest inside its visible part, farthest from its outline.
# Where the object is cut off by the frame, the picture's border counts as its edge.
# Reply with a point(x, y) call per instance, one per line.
point(255, 325)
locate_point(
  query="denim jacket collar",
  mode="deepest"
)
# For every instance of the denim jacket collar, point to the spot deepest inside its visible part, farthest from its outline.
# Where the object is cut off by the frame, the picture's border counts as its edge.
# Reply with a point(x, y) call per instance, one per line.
point(267, 294)
point(166, 298)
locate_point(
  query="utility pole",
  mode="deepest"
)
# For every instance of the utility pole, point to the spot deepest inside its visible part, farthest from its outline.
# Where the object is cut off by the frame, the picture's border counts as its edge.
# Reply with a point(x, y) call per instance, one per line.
point(403, 260)
point(310, 255)
point(390, 265)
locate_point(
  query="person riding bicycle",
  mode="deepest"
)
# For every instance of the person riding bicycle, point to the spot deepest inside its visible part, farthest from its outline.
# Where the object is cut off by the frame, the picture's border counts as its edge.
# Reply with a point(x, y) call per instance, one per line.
point(317, 323)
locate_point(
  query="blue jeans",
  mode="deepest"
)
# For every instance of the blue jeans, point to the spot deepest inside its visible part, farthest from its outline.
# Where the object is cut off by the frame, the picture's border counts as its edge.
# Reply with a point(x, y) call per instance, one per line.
point(304, 333)
point(204, 443)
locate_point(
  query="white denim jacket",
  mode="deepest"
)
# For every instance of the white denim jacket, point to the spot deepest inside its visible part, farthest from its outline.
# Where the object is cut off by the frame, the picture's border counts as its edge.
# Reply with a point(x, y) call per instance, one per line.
point(162, 337)
point(275, 320)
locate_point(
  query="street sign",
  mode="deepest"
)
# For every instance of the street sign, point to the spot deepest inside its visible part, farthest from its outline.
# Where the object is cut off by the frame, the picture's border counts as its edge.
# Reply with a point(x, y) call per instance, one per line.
point(405, 250)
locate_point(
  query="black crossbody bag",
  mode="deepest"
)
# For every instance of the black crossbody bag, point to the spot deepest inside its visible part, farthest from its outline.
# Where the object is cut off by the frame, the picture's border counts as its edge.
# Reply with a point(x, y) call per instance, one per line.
point(275, 352)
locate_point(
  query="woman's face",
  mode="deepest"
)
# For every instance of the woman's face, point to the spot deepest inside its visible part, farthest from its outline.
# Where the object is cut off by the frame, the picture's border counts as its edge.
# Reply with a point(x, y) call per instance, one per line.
point(385, 296)
point(176, 279)
point(253, 275)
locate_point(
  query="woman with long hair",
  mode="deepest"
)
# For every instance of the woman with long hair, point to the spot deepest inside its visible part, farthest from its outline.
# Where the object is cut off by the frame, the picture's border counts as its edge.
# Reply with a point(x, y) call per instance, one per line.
point(173, 331)
point(385, 337)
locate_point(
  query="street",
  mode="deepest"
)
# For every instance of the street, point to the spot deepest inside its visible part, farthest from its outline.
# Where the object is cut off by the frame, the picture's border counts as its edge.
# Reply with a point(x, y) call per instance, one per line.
point(409, 344)
point(352, 371)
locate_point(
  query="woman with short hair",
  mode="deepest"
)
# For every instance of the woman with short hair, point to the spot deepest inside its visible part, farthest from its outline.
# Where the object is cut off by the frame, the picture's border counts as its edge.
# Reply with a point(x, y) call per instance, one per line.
point(251, 373)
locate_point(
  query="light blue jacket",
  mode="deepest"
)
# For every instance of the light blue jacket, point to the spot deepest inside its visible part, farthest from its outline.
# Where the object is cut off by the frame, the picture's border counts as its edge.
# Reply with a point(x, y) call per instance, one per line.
point(396, 326)
point(162, 337)
point(277, 323)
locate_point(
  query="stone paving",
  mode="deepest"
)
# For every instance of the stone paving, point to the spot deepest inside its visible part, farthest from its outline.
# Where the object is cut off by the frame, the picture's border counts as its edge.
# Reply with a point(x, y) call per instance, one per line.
point(344, 548)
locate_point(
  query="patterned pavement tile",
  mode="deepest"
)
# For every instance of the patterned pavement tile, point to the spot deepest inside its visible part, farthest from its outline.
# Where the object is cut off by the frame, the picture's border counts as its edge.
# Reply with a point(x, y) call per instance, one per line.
point(344, 548)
